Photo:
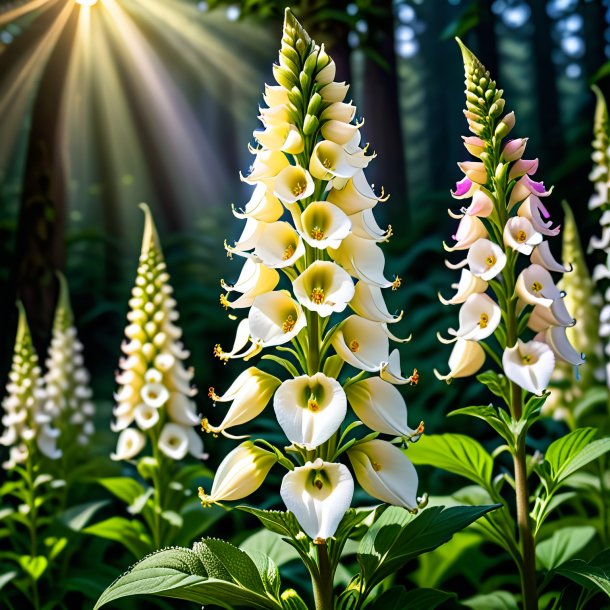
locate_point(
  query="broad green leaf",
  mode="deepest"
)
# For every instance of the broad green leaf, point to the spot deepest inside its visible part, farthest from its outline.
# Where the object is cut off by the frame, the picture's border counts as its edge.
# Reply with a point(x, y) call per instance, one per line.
point(268, 571)
point(498, 600)
point(397, 536)
point(563, 545)
point(76, 517)
point(272, 545)
point(489, 414)
point(398, 598)
point(131, 534)
point(497, 384)
point(123, 488)
point(277, 521)
point(197, 521)
point(180, 574)
point(456, 453)
point(592, 575)
point(34, 566)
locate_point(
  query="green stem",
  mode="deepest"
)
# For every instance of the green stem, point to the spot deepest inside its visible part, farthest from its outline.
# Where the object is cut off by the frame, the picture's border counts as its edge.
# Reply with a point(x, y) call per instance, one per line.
point(313, 355)
point(323, 581)
point(603, 491)
point(32, 526)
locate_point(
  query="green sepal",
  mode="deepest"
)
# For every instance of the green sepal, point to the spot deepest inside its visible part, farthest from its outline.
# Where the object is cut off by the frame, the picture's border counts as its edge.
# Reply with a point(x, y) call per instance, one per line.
point(314, 104)
point(310, 124)
point(333, 365)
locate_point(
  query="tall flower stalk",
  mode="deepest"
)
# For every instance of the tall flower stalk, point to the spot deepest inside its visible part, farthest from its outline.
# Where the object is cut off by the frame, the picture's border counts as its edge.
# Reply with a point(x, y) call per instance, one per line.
point(154, 399)
point(311, 254)
point(511, 310)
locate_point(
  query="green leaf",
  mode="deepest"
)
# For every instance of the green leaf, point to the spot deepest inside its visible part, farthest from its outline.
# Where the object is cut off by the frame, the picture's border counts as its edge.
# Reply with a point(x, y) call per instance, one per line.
point(268, 571)
point(489, 414)
point(123, 488)
point(272, 545)
point(573, 451)
point(56, 546)
point(398, 598)
point(76, 517)
point(563, 545)
point(456, 453)
point(498, 600)
point(180, 574)
point(397, 536)
point(131, 534)
point(280, 522)
point(592, 575)
point(34, 566)
point(497, 384)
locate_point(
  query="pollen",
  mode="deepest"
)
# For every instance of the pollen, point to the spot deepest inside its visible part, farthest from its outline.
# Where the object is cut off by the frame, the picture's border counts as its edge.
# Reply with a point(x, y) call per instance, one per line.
point(354, 346)
point(326, 163)
point(317, 296)
point(490, 261)
point(224, 301)
point(288, 324)
point(312, 404)
point(299, 188)
point(527, 359)
point(396, 284)
point(317, 233)
point(521, 236)
point(389, 232)
point(288, 252)
point(212, 394)
point(206, 500)
point(219, 353)
point(537, 287)
point(420, 428)
point(483, 320)
point(414, 379)
point(376, 466)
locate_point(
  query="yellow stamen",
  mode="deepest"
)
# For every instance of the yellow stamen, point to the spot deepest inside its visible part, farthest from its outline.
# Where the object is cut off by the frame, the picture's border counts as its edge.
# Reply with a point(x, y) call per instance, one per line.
point(521, 236)
point(317, 233)
point(376, 466)
point(483, 320)
point(220, 354)
point(288, 324)
point(326, 163)
point(354, 346)
point(224, 301)
point(299, 188)
point(212, 394)
point(317, 296)
point(490, 261)
point(389, 232)
point(414, 379)
point(527, 359)
point(312, 404)
point(206, 500)
point(537, 287)
point(396, 284)
point(288, 252)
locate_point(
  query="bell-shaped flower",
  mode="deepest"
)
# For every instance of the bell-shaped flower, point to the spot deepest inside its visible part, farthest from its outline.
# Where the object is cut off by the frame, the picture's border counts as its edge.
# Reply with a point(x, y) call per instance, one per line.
point(557, 339)
point(524, 187)
point(364, 225)
point(356, 196)
point(519, 234)
point(362, 259)
point(534, 210)
point(275, 115)
point(267, 165)
point(368, 302)
point(361, 343)
point(154, 394)
point(379, 405)
point(250, 236)
point(275, 95)
point(324, 287)
point(279, 245)
point(254, 279)
point(263, 206)
point(466, 358)
point(240, 474)
point(469, 284)
point(468, 232)
point(522, 167)
point(338, 131)
point(129, 444)
point(334, 92)
point(385, 473)
point(474, 145)
point(536, 287)
point(173, 441)
point(249, 394)
point(543, 317)
point(330, 160)
point(182, 410)
point(323, 225)
point(310, 409)
point(513, 150)
point(542, 256)
point(482, 205)
point(465, 188)
point(283, 136)
point(529, 365)
point(242, 336)
point(145, 416)
point(479, 317)
point(474, 170)
point(339, 111)
point(486, 259)
point(318, 494)
point(275, 318)
point(292, 184)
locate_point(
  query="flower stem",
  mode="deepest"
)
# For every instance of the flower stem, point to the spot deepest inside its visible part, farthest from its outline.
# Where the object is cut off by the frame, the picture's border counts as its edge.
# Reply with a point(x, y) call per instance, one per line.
point(32, 527)
point(323, 581)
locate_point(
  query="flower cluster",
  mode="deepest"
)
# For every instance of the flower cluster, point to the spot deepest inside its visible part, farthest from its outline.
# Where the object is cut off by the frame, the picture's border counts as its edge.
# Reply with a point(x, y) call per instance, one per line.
point(504, 222)
point(155, 388)
point(29, 429)
point(600, 176)
point(66, 382)
point(311, 250)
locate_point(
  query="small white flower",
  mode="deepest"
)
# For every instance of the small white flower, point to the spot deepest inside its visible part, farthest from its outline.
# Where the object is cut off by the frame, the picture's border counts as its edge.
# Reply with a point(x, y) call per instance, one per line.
point(536, 287)
point(129, 444)
point(263, 206)
point(479, 317)
point(323, 225)
point(267, 165)
point(362, 343)
point(279, 245)
point(275, 318)
point(146, 416)
point(468, 232)
point(154, 394)
point(486, 259)
point(466, 358)
point(355, 196)
point(542, 256)
point(254, 279)
point(318, 494)
point(368, 302)
point(529, 365)
point(468, 285)
point(556, 338)
point(182, 409)
point(362, 259)
point(173, 441)
point(519, 234)
point(292, 184)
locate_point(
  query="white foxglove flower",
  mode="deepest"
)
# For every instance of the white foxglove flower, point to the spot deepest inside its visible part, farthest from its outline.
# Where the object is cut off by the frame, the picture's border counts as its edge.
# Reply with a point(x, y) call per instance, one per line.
point(467, 357)
point(486, 259)
point(468, 232)
point(249, 394)
point(254, 279)
point(267, 165)
point(282, 136)
point(555, 337)
point(542, 256)
point(368, 303)
point(292, 184)
point(390, 370)
point(364, 225)
point(319, 494)
point(275, 318)
point(323, 225)
point(379, 405)
point(324, 287)
point(362, 343)
point(534, 210)
point(479, 317)
point(385, 473)
point(310, 409)
point(130, 442)
point(468, 285)
point(529, 365)
point(330, 160)
point(262, 207)
point(240, 474)
point(536, 287)
point(355, 196)
point(519, 234)
point(279, 245)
